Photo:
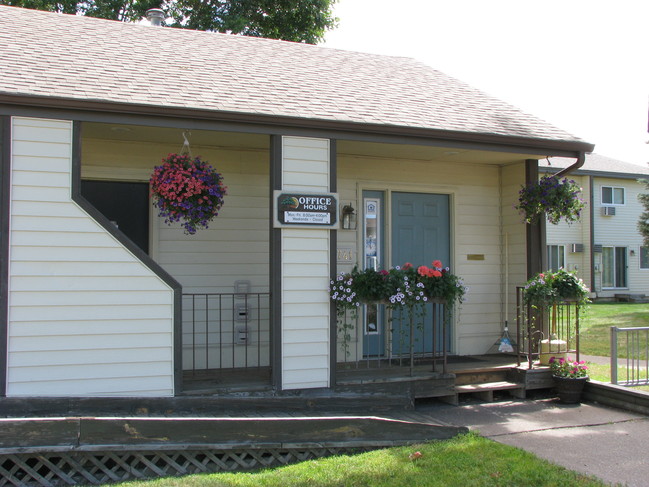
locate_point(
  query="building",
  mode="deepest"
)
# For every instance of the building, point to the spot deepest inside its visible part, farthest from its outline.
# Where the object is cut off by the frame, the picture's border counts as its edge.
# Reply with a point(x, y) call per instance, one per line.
point(95, 307)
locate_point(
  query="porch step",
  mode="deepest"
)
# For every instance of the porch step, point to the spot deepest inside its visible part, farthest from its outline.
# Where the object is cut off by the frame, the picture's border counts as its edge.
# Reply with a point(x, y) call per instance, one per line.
point(485, 390)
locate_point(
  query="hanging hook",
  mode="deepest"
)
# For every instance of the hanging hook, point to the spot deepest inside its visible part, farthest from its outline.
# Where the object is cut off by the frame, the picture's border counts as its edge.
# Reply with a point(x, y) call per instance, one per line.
point(186, 148)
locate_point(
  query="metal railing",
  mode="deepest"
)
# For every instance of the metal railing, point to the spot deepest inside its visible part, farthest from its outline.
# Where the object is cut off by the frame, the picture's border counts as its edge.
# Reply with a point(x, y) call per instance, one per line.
point(398, 340)
point(226, 331)
point(546, 331)
point(631, 344)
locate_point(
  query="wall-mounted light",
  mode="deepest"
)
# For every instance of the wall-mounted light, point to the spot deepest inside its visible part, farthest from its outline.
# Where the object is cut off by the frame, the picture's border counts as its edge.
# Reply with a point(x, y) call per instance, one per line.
point(632, 252)
point(349, 217)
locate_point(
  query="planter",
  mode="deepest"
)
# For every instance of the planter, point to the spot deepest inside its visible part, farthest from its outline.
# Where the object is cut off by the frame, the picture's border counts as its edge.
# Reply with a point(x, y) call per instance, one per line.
point(569, 389)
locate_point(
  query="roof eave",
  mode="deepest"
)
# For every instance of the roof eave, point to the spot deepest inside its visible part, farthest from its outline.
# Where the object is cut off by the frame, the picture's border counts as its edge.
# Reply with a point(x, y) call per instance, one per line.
point(484, 141)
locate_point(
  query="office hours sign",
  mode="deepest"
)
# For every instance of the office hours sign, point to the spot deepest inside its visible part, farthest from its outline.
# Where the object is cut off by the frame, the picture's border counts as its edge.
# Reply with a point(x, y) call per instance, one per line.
point(305, 209)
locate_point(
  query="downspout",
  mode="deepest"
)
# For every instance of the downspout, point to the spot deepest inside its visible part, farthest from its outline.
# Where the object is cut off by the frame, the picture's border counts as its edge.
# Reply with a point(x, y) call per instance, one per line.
point(581, 159)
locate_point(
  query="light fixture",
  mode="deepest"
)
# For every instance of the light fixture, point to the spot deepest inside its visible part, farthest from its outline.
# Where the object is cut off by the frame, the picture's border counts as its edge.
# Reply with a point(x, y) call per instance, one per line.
point(349, 217)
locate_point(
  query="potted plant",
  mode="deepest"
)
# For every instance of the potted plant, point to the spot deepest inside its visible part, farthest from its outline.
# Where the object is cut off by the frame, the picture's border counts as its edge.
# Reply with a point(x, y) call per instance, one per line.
point(187, 189)
point(553, 197)
point(569, 378)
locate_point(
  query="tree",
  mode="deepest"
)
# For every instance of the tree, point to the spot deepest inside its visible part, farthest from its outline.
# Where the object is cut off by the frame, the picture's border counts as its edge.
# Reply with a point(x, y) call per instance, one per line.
point(643, 221)
point(290, 20)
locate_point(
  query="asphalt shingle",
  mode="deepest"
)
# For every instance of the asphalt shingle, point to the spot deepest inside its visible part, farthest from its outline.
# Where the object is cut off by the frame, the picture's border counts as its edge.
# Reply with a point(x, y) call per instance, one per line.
point(82, 58)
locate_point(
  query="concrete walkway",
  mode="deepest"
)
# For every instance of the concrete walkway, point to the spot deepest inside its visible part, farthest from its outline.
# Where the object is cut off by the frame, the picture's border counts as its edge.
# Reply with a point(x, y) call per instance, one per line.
point(608, 443)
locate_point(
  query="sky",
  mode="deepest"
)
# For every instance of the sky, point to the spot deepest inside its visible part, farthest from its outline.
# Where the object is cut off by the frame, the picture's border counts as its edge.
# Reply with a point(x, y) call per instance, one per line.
point(582, 65)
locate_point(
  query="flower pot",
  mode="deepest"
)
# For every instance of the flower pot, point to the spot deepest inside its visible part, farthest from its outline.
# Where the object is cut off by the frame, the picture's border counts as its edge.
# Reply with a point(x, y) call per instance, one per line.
point(569, 389)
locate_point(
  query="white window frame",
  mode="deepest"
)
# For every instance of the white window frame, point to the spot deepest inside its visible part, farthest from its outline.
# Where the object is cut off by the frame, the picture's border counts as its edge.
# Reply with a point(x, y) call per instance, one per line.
point(613, 188)
point(615, 265)
point(646, 250)
point(561, 255)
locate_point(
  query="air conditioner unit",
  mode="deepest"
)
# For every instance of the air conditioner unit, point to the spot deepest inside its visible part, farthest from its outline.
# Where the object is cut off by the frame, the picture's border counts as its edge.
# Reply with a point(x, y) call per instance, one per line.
point(597, 248)
point(575, 248)
point(608, 210)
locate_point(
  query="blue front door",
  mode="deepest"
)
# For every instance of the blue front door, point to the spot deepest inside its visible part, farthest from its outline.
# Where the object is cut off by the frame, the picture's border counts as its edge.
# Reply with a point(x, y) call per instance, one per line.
point(420, 234)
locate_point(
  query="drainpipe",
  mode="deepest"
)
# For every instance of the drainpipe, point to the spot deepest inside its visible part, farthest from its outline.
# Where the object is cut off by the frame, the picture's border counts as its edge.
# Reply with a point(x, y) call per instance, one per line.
point(592, 235)
point(581, 159)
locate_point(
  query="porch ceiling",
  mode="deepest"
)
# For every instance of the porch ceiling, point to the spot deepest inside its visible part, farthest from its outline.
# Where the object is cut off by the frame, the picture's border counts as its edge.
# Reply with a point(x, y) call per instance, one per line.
point(253, 141)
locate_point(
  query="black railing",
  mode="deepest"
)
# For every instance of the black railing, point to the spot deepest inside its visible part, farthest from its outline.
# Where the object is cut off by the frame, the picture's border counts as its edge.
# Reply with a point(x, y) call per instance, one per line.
point(376, 337)
point(226, 331)
point(546, 331)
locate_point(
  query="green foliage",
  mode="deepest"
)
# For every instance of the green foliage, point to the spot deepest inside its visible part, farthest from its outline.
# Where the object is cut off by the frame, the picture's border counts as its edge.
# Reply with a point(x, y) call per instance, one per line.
point(643, 221)
point(549, 288)
point(289, 20)
point(557, 199)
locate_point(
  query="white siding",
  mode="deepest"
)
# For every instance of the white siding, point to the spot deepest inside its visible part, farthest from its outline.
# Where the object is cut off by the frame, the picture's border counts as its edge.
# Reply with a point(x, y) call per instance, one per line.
point(578, 232)
point(620, 230)
point(305, 272)
point(86, 317)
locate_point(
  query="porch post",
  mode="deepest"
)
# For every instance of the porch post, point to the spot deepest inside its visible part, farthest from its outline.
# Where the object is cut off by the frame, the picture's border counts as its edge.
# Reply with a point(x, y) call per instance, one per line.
point(5, 171)
point(303, 243)
point(535, 232)
point(275, 267)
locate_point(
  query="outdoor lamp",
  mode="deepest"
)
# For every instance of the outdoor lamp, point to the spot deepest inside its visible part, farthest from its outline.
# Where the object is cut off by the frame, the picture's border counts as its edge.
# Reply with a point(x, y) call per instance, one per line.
point(349, 217)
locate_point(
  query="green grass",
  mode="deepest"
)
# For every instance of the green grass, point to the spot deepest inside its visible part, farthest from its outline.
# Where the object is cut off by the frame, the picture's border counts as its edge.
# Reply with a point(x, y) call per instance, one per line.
point(466, 460)
point(595, 325)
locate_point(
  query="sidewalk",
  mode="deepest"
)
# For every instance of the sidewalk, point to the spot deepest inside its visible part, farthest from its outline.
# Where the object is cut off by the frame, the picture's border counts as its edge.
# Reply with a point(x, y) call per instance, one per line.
point(588, 438)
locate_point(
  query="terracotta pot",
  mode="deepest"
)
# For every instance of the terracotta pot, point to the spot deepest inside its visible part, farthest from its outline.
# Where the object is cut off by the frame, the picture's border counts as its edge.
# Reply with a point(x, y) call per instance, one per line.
point(569, 389)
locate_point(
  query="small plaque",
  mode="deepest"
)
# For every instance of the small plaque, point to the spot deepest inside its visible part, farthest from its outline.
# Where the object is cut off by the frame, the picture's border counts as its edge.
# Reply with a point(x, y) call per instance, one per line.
point(475, 257)
point(345, 255)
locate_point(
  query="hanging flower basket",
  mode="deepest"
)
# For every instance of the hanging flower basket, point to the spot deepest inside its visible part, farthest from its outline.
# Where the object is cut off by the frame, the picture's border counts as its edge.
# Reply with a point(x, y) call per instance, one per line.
point(553, 197)
point(187, 190)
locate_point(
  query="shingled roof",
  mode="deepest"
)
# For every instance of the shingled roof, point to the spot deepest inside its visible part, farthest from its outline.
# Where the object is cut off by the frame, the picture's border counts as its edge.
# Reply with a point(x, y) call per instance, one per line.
point(597, 165)
point(83, 59)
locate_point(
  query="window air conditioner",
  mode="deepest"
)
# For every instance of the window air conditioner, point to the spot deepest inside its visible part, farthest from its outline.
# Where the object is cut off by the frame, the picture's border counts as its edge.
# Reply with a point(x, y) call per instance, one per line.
point(608, 210)
point(574, 248)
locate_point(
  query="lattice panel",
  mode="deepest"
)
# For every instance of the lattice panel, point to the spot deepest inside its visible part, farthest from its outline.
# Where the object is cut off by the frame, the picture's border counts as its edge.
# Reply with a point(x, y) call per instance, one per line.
point(87, 468)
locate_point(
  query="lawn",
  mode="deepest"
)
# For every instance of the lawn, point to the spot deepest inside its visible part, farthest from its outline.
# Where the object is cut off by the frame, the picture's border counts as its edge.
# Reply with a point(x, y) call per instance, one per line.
point(595, 325)
point(462, 461)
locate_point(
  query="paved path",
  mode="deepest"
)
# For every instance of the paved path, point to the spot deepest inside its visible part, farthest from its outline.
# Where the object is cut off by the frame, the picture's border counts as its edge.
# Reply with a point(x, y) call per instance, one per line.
point(596, 440)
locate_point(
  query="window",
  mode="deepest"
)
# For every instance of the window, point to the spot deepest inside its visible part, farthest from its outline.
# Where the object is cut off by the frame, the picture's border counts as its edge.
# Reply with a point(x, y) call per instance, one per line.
point(644, 257)
point(614, 267)
point(612, 195)
point(556, 257)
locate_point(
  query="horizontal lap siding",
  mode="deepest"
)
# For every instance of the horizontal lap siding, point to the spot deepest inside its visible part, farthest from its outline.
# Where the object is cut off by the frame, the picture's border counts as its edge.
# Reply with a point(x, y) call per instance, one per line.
point(477, 212)
point(305, 272)
point(86, 318)
point(620, 230)
point(575, 233)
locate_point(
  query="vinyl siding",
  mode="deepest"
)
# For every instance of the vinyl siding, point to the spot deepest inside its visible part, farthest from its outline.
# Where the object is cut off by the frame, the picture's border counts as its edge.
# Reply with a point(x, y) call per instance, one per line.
point(305, 272)
point(86, 317)
point(620, 230)
point(577, 232)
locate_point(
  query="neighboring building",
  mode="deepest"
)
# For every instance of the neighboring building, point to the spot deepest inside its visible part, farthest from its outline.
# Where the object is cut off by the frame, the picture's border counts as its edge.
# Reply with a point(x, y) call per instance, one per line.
point(91, 306)
point(605, 247)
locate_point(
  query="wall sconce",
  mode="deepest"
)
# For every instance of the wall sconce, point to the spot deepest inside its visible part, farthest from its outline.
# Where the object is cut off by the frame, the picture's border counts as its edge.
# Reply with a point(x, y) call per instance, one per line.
point(632, 252)
point(349, 217)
